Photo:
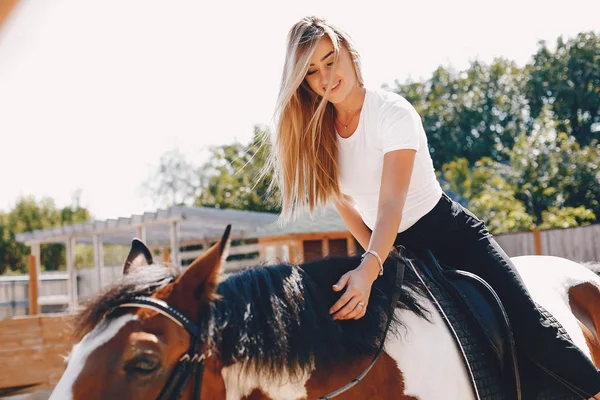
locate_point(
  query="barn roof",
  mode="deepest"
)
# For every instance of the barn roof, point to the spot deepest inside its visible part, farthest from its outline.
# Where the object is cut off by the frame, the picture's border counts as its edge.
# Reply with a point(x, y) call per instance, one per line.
point(193, 223)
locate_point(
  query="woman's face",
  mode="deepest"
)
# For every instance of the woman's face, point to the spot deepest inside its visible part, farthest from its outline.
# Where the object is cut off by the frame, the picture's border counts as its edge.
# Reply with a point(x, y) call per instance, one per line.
point(320, 72)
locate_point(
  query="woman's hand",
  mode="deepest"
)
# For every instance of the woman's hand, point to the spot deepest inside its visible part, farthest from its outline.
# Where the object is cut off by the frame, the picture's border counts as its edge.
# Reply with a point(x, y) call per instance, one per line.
point(358, 282)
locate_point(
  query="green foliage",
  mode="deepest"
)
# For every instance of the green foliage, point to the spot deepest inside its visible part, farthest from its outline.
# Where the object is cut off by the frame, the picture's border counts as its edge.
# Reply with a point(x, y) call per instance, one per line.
point(234, 177)
point(549, 181)
point(28, 215)
point(565, 217)
point(175, 181)
point(473, 113)
point(554, 170)
point(487, 194)
point(568, 81)
point(519, 146)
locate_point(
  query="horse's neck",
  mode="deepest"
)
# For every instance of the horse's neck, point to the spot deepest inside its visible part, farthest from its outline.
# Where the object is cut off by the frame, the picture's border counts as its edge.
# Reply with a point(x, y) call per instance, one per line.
point(241, 384)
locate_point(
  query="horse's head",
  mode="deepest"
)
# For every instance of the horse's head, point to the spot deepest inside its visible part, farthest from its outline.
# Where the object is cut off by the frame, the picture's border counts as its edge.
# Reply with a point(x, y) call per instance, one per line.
point(130, 352)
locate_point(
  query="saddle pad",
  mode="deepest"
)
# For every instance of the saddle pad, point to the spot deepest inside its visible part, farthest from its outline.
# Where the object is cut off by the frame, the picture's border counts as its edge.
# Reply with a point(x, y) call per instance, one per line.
point(481, 363)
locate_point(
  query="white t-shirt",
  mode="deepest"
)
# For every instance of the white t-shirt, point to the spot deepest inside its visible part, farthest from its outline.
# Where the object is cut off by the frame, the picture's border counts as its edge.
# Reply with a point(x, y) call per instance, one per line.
point(387, 122)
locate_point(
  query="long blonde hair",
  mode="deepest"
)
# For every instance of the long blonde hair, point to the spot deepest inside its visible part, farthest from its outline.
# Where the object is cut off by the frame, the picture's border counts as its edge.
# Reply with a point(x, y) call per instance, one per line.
point(304, 144)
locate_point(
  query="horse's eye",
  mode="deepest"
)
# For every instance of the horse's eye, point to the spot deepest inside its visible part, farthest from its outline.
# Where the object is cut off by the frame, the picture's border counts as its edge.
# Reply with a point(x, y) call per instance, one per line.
point(144, 365)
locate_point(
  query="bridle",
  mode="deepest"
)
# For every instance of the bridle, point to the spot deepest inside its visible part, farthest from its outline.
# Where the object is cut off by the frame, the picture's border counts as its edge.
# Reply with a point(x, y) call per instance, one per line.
point(192, 362)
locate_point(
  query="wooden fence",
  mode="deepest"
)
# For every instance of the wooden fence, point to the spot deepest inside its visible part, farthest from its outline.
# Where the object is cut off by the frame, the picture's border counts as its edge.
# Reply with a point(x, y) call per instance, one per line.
point(53, 287)
point(580, 244)
point(32, 350)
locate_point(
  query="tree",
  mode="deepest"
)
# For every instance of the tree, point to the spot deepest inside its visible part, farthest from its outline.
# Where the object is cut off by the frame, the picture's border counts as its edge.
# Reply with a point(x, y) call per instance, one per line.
point(553, 170)
point(549, 181)
point(567, 80)
point(235, 179)
point(232, 177)
point(487, 194)
point(471, 114)
point(28, 215)
point(176, 181)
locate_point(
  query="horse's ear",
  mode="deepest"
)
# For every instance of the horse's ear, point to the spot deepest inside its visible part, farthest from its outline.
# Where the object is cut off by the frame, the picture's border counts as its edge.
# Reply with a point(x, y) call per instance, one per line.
point(196, 286)
point(139, 256)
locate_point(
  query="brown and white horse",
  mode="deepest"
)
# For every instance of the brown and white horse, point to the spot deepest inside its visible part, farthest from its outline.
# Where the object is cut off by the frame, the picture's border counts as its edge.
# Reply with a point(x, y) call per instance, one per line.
point(267, 333)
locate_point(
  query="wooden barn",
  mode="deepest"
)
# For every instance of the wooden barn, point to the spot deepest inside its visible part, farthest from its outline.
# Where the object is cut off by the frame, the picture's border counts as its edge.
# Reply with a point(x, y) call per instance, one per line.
point(306, 238)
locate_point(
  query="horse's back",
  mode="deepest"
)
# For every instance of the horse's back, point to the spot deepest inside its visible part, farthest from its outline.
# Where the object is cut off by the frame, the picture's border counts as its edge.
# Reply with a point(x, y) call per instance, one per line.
point(552, 282)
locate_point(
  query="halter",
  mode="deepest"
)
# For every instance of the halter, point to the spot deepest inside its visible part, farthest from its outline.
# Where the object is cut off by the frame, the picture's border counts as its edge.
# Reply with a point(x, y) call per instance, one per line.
point(192, 362)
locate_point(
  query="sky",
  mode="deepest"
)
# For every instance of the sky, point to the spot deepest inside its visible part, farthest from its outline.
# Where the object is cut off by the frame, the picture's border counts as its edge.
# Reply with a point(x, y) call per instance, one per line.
point(92, 93)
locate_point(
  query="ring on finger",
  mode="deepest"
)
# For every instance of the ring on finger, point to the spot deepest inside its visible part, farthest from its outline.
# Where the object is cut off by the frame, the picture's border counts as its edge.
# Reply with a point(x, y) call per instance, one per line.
point(360, 303)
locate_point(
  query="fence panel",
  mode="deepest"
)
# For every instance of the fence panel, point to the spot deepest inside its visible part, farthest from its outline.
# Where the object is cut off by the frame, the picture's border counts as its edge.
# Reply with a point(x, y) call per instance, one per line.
point(517, 244)
point(577, 244)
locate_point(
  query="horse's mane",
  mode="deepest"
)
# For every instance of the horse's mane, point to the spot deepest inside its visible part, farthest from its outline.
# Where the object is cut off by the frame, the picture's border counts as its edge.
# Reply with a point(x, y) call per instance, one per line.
point(274, 319)
point(103, 307)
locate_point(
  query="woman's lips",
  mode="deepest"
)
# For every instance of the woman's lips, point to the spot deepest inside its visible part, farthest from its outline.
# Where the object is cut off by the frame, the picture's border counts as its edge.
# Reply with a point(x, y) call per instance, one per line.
point(335, 87)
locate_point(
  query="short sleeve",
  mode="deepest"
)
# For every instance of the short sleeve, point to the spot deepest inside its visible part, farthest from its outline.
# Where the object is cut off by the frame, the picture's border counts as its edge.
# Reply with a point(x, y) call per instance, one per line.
point(401, 127)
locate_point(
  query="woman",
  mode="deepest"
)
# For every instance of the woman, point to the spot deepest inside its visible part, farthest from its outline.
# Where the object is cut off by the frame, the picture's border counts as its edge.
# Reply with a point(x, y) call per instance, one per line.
point(366, 151)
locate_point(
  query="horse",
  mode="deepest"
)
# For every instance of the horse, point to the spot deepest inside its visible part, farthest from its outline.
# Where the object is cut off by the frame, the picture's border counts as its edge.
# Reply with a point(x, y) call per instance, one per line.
point(265, 333)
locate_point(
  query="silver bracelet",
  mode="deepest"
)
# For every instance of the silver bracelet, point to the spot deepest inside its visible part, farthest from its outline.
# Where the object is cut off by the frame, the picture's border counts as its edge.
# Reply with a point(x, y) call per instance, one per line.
point(374, 253)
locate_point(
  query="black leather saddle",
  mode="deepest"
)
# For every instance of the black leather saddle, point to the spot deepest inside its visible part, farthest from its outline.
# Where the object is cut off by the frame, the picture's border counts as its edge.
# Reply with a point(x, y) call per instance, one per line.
point(476, 304)
point(478, 299)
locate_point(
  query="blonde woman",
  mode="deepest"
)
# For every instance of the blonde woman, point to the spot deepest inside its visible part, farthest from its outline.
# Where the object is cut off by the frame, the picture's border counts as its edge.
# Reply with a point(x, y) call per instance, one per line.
point(366, 151)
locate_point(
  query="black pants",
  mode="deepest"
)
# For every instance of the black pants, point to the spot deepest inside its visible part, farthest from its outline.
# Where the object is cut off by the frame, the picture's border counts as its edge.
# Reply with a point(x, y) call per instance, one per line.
point(460, 240)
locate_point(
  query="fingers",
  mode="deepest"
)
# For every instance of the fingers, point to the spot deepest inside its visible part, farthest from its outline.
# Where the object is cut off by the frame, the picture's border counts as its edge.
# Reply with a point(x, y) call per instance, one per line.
point(342, 301)
point(342, 282)
point(347, 309)
point(359, 311)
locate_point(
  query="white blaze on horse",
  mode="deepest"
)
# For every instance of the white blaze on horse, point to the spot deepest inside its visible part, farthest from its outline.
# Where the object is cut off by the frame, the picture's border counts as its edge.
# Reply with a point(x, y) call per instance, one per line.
point(266, 333)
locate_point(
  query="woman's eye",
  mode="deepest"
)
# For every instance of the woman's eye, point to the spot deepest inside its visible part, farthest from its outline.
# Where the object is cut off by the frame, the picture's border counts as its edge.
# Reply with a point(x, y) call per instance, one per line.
point(311, 73)
point(143, 365)
point(330, 64)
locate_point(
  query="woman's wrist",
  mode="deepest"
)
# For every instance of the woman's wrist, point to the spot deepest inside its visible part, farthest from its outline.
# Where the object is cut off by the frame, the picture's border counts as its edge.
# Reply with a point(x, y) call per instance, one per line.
point(370, 265)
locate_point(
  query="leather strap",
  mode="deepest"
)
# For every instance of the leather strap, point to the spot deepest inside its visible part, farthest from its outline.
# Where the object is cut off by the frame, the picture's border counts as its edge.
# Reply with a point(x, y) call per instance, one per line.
point(394, 301)
point(163, 308)
point(190, 362)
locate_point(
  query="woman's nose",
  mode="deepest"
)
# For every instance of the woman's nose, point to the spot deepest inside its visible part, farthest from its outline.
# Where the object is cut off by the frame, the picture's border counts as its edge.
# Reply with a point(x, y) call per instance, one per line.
point(325, 76)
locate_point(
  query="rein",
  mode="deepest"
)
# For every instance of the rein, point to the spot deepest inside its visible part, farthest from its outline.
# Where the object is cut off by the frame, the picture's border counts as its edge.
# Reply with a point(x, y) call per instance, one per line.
point(192, 362)
point(395, 297)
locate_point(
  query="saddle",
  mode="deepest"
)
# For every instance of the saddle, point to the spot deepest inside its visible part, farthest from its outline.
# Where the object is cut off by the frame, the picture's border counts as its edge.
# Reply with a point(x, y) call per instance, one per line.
point(480, 326)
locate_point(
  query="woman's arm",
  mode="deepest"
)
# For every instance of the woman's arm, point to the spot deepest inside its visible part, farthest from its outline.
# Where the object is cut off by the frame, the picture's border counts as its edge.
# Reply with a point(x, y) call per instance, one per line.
point(353, 221)
point(395, 179)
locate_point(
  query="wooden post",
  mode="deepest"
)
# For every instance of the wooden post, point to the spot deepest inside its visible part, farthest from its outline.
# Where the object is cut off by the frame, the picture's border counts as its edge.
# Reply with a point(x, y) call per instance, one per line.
point(537, 242)
point(174, 239)
point(325, 247)
point(165, 255)
point(141, 231)
point(34, 307)
point(98, 259)
point(351, 245)
point(71, 272)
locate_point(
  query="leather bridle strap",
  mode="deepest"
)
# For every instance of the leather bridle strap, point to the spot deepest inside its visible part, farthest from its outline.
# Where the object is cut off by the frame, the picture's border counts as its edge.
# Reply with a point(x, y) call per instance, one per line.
point(390, 317)
point(163, 308)
point(190, 362)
